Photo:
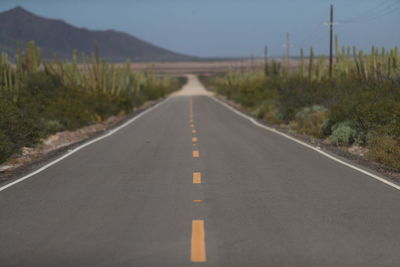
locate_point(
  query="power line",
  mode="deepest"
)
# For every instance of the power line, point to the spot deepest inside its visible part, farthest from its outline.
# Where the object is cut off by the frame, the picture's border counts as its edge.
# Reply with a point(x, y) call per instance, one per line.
point(351, 3)
point(384, 8)
point(312, 36)
point(392, 10)
point(372, 10)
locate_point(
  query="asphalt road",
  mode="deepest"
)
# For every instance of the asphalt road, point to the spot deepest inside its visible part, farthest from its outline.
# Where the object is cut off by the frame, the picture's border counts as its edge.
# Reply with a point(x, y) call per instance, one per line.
point(249, 197)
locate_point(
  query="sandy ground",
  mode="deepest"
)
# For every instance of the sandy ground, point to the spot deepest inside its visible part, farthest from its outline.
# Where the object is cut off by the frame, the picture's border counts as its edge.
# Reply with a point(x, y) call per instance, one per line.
point(192, 87)
point(199, 67)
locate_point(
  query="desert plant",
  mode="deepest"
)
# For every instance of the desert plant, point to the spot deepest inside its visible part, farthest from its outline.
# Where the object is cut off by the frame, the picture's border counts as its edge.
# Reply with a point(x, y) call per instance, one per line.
point(385, 149)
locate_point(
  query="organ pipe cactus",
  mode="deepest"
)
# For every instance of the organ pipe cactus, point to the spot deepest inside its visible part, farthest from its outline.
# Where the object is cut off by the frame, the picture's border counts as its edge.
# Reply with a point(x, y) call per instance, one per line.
point(302, 67)
point(311, 64)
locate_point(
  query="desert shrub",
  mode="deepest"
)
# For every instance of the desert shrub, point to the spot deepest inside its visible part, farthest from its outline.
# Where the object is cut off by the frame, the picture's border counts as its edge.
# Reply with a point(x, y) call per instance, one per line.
point(6, 147)
point(21, 129)
point(309, 120)
point(51, 126)
point(386, 150)
point(362, 97)
point(343, 133)
point(326, 127)
point(41, 98)
point(372, 105)
point(294, 94)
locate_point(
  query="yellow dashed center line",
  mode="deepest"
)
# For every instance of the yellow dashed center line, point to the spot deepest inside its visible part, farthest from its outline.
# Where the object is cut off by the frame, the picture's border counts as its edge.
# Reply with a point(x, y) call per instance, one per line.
point(197, 177)
point(198, 251)
point(198, 244)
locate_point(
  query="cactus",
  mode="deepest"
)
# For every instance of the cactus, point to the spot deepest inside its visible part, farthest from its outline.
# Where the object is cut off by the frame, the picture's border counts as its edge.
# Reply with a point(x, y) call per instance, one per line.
point(302, 67)
point(311, 64)
point(337, 51)
point(363, 71)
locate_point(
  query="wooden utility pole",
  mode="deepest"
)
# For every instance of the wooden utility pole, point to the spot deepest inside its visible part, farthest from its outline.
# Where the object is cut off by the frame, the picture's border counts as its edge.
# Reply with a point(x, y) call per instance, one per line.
point(331, 43)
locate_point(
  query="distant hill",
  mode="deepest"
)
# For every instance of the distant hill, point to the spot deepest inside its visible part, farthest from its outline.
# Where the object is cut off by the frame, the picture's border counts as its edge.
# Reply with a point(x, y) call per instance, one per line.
point(58, 37)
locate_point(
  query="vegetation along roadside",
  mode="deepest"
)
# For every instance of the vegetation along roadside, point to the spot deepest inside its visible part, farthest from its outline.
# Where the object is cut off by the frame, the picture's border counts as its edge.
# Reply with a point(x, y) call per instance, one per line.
point(357, 108)
point(39, 98)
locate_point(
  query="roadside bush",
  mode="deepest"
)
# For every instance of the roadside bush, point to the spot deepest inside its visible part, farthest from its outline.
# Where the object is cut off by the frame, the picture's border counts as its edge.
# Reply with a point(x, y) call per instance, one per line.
point(343, 133)
point(51, 126)
point(362, 97)
point(20, 129)
point(309, 120)
point(326, 127)
point(386, 150)
point(268, 110)
point(6, 147)
point(294, 94)
point(41, 98)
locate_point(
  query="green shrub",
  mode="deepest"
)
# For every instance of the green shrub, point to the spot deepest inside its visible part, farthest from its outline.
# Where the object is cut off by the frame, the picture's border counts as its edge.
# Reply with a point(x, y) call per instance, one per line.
point(17, 125)
point(326, 127)
point(40, 98)
point(51, 126)
point(362, 97)
point(343, 134)
point(6, 147)
point(304, 113)
point(309, 120)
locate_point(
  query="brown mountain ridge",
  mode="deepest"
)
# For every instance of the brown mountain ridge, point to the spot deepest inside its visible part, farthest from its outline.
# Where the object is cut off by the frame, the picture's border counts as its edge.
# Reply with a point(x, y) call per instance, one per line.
point(56, 37)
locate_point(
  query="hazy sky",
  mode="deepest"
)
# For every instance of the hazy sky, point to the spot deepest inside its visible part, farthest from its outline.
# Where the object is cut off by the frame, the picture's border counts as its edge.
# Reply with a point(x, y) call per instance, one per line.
point(231, 27)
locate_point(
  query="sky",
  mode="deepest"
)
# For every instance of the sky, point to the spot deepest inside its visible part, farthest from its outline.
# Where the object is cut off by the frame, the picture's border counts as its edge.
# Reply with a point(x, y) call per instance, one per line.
point(231, 28)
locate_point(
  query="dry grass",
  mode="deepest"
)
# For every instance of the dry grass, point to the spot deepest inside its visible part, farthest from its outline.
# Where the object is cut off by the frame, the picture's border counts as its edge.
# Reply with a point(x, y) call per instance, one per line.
point(386, 150)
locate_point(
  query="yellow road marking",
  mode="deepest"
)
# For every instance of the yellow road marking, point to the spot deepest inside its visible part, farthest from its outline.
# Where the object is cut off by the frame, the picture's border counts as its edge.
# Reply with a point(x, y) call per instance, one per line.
point(192, 125)
point(197, 177)
point(194, 139)
point(198, 250)
point(197, 200)
point(191, 106)
point(196, 154)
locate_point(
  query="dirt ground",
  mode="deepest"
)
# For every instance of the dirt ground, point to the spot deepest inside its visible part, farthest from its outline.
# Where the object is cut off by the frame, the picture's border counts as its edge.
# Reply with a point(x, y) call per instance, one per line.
point(199, 67)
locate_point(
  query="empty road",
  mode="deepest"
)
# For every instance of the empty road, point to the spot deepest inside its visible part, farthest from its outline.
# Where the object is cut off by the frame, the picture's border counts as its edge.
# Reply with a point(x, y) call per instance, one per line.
point(191, 183)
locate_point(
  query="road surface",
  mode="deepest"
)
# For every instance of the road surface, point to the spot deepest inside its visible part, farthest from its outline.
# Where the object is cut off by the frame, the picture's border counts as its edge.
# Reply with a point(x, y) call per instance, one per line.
point(191, 183)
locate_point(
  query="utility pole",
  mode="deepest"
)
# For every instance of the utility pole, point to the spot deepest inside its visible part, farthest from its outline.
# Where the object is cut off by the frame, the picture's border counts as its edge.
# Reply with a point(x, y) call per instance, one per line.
point(331, 44)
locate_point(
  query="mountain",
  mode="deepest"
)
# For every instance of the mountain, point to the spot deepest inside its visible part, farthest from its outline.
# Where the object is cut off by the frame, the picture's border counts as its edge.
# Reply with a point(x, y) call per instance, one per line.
point(57, 37)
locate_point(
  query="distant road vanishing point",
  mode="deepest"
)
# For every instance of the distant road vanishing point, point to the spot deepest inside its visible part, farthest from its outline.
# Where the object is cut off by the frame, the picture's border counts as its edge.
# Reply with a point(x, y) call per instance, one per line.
point(191, 183)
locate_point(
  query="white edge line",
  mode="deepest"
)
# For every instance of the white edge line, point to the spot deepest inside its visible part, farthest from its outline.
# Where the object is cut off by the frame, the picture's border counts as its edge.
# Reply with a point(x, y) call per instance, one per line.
point(383, 180)
point(73, 151)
